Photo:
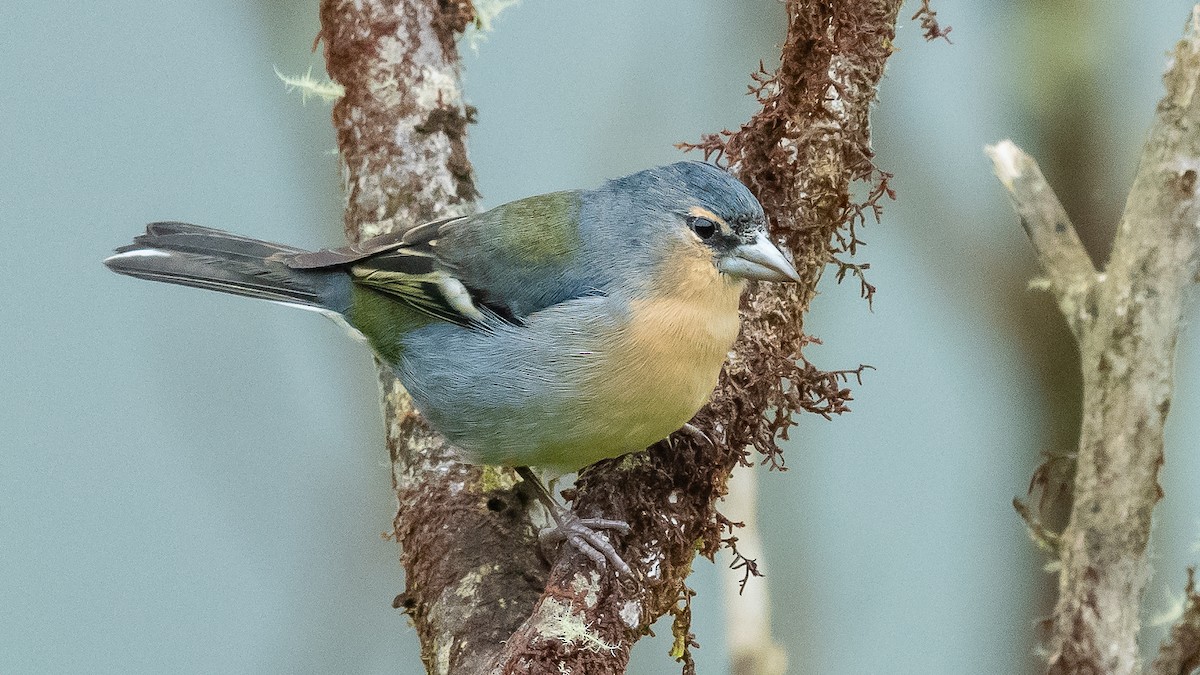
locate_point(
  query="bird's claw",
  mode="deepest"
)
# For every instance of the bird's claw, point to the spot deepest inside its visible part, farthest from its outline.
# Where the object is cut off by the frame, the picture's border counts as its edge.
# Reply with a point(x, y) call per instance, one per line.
point(695, 432)
point(583, 534)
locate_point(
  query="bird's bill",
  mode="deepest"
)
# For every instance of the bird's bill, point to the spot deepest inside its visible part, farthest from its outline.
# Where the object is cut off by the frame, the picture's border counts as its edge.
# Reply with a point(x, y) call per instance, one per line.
point(760, 260)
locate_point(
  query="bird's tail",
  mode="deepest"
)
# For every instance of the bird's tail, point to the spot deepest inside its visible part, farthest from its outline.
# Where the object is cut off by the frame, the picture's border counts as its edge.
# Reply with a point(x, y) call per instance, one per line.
point(202, 257)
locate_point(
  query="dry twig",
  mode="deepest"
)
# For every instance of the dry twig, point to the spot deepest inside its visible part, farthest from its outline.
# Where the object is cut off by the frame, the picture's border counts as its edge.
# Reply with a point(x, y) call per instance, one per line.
point(752, 650)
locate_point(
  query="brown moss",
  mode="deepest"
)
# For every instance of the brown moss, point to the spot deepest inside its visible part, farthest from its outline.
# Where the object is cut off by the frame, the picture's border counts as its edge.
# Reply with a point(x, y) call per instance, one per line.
point(930, 28)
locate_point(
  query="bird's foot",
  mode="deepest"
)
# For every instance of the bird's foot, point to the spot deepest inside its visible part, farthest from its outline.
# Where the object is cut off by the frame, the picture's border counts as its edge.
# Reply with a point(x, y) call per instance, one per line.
point(584, 535)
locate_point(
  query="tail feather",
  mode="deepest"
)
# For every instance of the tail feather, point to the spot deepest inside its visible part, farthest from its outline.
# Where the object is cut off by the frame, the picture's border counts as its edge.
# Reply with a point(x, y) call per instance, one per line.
point(201, 257)
point(197, 239)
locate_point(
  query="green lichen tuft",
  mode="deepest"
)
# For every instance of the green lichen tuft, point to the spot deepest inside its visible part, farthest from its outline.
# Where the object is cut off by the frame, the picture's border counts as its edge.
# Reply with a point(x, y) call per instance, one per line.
point(495, 479)
point(486, 12)
point(633, 460)
point(326, 90)
point(560, 622)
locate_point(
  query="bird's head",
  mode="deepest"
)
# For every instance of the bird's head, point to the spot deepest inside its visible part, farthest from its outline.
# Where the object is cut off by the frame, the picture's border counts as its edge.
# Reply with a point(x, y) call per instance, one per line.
point(700, 208)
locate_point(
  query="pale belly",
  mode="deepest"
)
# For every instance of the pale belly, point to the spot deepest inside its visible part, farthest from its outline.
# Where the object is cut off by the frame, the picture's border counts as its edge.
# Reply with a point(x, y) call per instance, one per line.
point(635, 412)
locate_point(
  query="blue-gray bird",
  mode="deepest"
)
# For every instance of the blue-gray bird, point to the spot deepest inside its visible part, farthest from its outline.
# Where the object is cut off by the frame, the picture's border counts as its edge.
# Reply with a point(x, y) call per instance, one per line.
point(553, 331)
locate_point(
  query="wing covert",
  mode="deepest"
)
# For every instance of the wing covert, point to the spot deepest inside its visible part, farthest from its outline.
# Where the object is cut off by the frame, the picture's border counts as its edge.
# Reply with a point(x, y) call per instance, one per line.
point(508, 262)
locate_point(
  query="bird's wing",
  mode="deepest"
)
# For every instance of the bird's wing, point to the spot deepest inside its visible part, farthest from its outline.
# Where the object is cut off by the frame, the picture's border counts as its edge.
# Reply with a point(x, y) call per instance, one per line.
point(508, 262)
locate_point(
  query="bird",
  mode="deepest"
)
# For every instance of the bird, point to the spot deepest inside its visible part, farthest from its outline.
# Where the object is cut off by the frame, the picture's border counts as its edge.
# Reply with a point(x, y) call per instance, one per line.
point(553, 331)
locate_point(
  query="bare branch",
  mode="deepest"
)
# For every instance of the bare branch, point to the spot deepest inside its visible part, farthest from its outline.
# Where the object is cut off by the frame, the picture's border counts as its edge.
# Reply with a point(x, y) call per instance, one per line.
point(1059, 252)
point(1126, 323)
point(1128, 360)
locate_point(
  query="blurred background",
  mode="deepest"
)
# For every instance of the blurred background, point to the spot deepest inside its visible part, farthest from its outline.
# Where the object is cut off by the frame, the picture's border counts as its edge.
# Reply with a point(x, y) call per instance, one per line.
point(197, 483)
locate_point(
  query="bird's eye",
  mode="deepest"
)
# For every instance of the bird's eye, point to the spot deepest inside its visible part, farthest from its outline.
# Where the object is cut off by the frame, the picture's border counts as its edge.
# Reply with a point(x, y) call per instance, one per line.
point(703, 227)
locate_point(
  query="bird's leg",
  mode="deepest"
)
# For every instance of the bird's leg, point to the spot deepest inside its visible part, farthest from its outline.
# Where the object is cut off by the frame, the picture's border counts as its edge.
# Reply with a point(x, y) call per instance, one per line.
point(581, 533)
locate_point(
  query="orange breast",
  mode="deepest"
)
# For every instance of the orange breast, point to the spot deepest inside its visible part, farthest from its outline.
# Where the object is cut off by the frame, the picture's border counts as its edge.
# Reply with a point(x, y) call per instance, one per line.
point(665, 361)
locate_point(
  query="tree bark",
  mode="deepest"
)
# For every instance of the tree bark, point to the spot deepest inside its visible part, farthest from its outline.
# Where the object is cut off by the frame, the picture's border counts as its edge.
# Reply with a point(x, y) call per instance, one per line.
point(1179, 654)
point(1126, 321)
point(467, 543)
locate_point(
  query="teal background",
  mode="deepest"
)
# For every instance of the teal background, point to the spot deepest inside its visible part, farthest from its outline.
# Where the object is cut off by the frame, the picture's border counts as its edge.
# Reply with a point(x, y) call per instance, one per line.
point(196, 483)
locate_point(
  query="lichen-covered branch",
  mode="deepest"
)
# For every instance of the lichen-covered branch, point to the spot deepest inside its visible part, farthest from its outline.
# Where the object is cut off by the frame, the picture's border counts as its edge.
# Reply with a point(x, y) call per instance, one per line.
point(468, 548)
point(1179, 654)
point(1126, 321)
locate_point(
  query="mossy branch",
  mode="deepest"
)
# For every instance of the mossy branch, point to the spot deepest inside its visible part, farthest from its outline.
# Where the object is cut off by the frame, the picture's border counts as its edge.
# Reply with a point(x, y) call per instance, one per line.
point(800, 155)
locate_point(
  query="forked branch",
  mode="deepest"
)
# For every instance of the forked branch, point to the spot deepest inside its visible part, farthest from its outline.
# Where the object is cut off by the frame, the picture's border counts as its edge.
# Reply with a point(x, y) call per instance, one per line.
point(1126, 321)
